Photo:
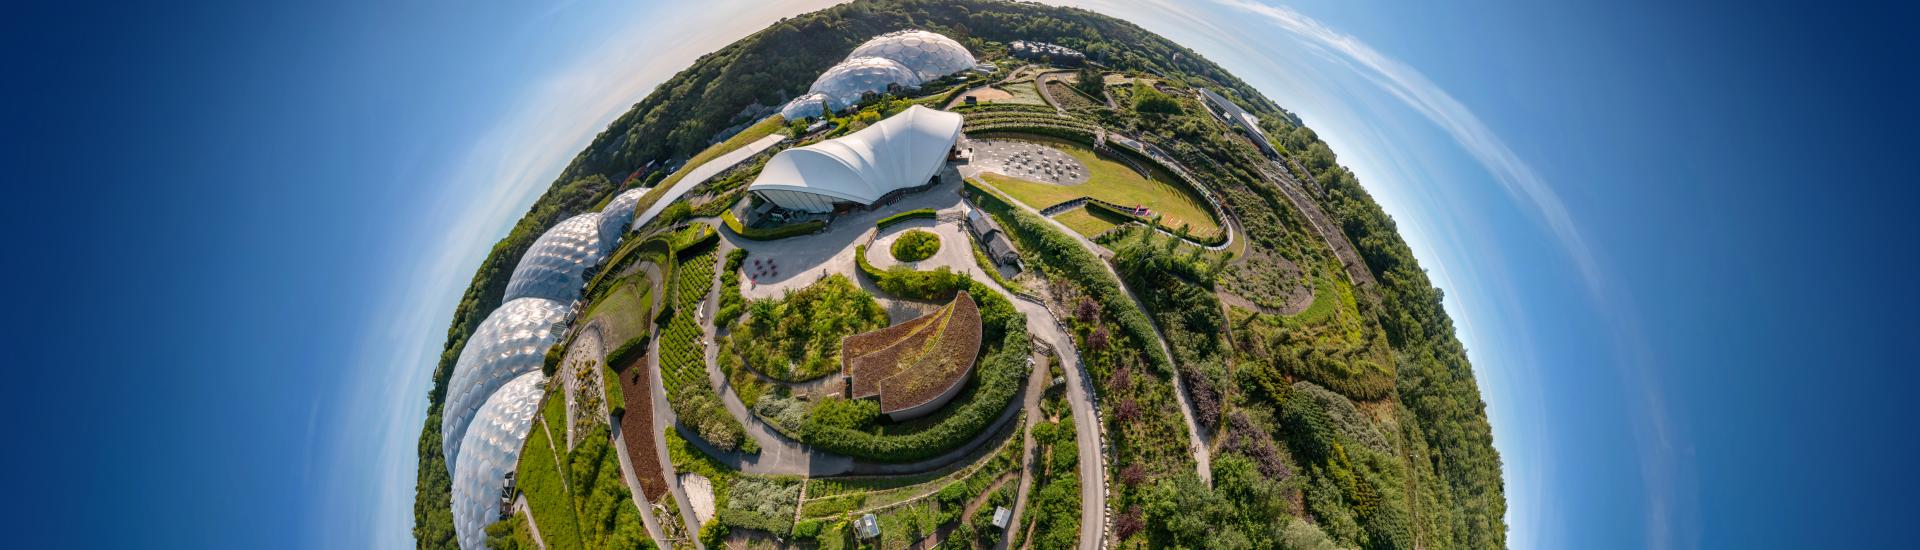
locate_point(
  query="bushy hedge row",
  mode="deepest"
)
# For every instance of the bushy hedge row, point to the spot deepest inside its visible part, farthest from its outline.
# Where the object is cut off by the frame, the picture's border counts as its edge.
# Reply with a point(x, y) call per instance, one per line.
point(923, 213)
point(1068, 258)
point(629, 351)
point(781, 232)
point(1077, 135)
point(999, 373)
point(732, 304)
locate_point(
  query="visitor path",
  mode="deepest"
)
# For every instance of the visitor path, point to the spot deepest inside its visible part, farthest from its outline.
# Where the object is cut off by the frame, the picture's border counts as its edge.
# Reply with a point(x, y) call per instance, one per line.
point(804, 260)
point(700, 173)
point(1202, 457)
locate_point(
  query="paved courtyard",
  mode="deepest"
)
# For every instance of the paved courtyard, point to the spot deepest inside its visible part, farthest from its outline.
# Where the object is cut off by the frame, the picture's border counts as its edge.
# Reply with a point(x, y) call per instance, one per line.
point(1027, 160)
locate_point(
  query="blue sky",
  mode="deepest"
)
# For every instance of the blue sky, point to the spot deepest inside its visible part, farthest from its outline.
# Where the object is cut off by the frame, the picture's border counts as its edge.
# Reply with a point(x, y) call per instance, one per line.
point(1673, 237)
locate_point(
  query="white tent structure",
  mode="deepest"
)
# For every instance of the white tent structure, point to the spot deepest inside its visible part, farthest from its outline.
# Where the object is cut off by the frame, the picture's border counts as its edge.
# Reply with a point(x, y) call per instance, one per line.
point(900, 152)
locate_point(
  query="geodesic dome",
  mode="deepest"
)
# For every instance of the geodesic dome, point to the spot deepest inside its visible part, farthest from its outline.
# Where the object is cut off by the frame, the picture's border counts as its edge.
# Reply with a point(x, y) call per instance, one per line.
point(929, 55)
point(804, 107)
point(845, 83)
point(552, 267)
point(492, 447)
point(618, 214)
point(512, 341)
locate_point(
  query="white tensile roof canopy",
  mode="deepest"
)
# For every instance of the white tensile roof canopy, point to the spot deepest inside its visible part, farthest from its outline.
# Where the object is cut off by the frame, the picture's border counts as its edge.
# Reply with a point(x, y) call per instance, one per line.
point(902, 151)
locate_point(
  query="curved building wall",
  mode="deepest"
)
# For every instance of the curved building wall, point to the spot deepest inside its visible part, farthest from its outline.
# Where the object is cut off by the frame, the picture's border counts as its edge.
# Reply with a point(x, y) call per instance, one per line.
point(929, 55)
point(844, 84)
point(552, 268)
point(901, 151)
point(512, 341)
point(492, 447)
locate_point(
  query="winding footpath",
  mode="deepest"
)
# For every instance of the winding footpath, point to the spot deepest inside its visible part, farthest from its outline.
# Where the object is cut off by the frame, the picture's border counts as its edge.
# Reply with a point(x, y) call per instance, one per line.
point(1202, 456)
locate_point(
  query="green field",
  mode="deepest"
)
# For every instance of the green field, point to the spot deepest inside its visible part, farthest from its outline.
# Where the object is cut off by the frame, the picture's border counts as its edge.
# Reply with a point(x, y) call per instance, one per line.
point(1111, 181)
point(753, 133)
point(542, 478)
point(1089, 223)
point(1022, 92)
point(625, 311)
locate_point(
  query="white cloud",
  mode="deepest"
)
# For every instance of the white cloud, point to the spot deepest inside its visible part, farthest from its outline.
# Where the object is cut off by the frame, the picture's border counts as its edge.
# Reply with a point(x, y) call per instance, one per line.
point(1407, 84)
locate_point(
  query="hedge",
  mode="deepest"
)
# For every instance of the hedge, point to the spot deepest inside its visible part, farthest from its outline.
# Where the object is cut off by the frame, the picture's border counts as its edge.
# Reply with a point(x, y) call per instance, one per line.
point(781, 232)
point(923, 213)
point(632, 349)
point(1067, 257)
point(999, 372)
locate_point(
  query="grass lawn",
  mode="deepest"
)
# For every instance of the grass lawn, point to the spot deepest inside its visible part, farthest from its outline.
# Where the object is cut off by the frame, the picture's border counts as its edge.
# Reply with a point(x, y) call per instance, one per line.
point(1019, 92)
point(753, 133)
point(541, 477)
point(1089, 222)
point(626, 310)
point(1111, 181)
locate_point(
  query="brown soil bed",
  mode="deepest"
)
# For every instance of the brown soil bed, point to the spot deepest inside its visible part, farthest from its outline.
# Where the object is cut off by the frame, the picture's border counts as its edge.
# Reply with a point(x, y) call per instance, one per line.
point(636, 426)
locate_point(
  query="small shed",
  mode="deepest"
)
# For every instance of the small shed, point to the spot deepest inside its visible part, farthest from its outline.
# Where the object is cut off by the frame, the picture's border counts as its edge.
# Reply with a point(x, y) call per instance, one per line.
point(866, 527)
point(1000, 249)
point(1002, 516)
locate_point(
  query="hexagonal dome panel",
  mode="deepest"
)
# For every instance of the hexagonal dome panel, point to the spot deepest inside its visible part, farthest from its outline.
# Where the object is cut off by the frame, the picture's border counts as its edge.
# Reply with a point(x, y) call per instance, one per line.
point(512, 341)
point(492, 447)
point(553, 266)
point(845, 83)
point(929, 55)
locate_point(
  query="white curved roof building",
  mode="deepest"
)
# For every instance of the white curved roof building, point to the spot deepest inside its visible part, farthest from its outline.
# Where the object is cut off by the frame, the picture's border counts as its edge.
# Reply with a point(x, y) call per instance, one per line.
point(929, 55)
point(902, 151)
point(492, 447)
point(552, 268)
point(512, 341)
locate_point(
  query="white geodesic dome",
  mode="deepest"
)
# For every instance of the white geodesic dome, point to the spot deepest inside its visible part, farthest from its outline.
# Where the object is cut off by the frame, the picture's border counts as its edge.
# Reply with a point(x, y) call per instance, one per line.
point(512, 341)
point(618, 214)
point(844, 84)
point(929, 55)
point(491, 447)
point(552, 268)
point(804, 107)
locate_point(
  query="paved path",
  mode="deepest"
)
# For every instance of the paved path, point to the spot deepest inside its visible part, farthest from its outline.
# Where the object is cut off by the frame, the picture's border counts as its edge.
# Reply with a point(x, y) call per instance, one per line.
point(520, 507)
point(1040, 378)
point(778, 455)
point(700, 173)
point(1202, 454)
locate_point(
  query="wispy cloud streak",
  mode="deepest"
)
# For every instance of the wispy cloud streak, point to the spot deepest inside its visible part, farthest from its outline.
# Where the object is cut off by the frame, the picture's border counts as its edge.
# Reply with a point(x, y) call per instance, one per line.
point(1427, 98)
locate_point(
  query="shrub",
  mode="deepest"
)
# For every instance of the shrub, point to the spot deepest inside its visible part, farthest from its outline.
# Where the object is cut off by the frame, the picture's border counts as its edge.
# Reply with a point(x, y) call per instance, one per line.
point(855, 414)
point(923, 213)
point(915, 245)
point(629, 351)
point(773, 233)
point(714, 533)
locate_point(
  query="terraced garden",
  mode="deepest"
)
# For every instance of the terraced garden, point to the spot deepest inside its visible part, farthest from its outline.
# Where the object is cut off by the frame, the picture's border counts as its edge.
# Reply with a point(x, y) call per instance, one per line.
point(683, 361)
